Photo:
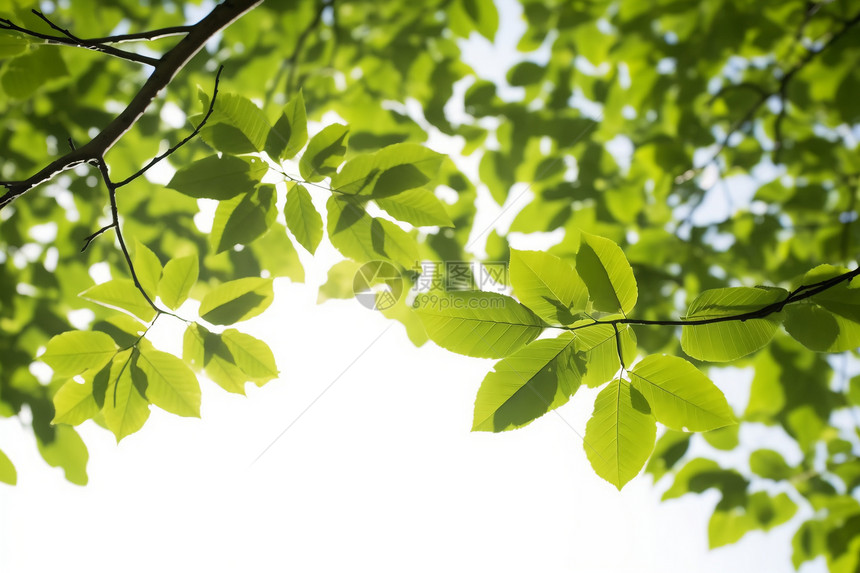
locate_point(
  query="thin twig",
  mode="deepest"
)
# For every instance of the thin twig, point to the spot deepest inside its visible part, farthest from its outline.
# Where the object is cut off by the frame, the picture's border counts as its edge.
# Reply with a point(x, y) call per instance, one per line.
point(68, 39)
point(90, 238)
point(190, 136)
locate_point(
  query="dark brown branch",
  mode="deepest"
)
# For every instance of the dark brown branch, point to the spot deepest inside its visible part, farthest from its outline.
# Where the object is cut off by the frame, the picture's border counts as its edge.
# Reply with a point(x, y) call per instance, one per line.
point(142, 36)
point(68, 39)
point(798, 294)
point(190, 136)
point(618, 347)
point(168, 66)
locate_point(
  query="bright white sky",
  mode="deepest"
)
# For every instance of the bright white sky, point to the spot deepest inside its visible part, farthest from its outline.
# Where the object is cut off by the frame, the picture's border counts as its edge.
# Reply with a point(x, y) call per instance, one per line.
point(380, 474)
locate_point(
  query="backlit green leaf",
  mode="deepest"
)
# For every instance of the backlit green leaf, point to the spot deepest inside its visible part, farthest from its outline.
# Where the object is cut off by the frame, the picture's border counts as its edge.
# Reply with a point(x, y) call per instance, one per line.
point(607, 274)
point(527, 384)
point(547, 285)
point(303, 219)
point(620, 435)
point(418, 207)
point(78, 351)
point(364, 238)
point(178, 277)
point(148, 268)
point(170, 384)
point(290, 132)
point(243, 219)
point(121, 294)
point(238, 300)
point(601, 351)
point(219, 178)
point(75, 403)
point(8, 474)
point(680, 396)
point(770, 464)
point(251, 355)
point(481, 324)
point(125, 409)
point(324, 153)
point(732, 339)
point(236, 125)
point(389, 171)
point(66, 450)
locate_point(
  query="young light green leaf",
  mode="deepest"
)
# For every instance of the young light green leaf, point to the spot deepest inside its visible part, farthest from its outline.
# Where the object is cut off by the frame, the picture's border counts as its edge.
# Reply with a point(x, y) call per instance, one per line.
point(125, 409)
point(324, 153)
point(527, 384)
point(680, 396)
point(8, 474)
point(303, 219)
point(729, 340)
point(147, 267)
point(290, 132)
point(243, 219)
point(607, 274)
point(480, 324)
point(66, 450)
point(78, 351)
point(275, 253)
point(235, 301)
point(771, 465)
point(547, 285)
point(820, 329)
point(419, 207)
point(339, 281)
point(170, 384)
point(364, 238)
point(480, 15)
point(206, 350)
point(74, 403)
point(601, 351)
point(219, 178)
point(620, 435)
point(236, 125)
point(391, 170)
point(178, 277)
point(251, 355)
point(24, 75)
point(121, 294)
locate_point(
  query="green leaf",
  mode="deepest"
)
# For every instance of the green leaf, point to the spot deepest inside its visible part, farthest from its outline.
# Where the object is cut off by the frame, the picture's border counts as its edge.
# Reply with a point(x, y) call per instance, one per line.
point(771, 465)
point(121, 294)
point(680, 396)
point(170, 384)
point(7, 470)
point(205, 350)
point(178, 277)
point(601, 351)
point(324, 153)
point(125, 409)
point(339, 283)
point(418, 207)
point(821, 330)
point(364, 238)
point(480, 15)
point(527, 384)
point(236, 125)
point(243, 219)
point(620, 435)
point(74, 403)
point(391, 170)
point(12, 44)
point(74, 352)
point(290, 132)
point(66, 450)
point(303, 219)
point(607, 274)
point(729, 340)
point(24, 75)
point(219, 178)
point(548, 286)
point(480, 324)
point(235, 301)
point(251, 355)
point(275, 253)
point(147, 267)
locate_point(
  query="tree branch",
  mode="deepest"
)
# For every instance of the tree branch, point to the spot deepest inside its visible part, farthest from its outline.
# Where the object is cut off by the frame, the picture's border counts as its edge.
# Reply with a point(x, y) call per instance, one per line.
point(166, 69)
point(798, 294)
point(68, 39)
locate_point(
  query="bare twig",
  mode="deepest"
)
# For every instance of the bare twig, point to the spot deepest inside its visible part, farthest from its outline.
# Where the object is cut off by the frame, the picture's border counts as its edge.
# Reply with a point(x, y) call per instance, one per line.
point(190, 136)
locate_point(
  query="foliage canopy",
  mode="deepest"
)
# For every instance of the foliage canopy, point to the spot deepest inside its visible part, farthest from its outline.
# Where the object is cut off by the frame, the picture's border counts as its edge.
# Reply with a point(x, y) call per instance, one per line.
point(695, 165)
